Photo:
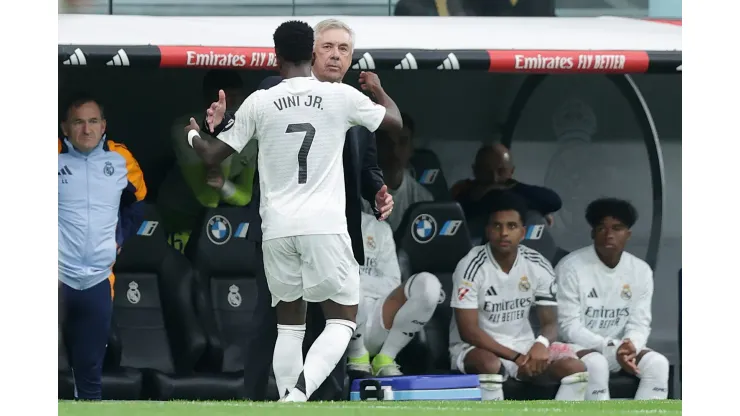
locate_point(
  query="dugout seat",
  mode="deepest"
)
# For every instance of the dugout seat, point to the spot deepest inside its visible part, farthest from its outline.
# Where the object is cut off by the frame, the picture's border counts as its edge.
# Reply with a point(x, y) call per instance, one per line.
point(226, 288)
point(427, 169)
point(155, 320)
point(432, 237)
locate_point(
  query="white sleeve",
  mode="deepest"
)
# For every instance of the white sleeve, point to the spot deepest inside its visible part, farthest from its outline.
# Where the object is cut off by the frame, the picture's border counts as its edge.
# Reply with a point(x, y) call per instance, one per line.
point(466, 283)
point(544, 292)
point(241, 131)
point(387, 259)
point(569, 311)
point(362, 110)
point(638, 324)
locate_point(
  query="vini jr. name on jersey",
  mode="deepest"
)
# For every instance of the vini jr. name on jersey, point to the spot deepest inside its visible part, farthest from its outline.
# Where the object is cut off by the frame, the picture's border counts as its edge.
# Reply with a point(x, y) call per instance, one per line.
point(295, 101)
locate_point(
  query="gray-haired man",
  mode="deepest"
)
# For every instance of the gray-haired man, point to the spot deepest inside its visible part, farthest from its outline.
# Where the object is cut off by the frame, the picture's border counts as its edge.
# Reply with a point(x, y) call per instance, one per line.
point(333, 45)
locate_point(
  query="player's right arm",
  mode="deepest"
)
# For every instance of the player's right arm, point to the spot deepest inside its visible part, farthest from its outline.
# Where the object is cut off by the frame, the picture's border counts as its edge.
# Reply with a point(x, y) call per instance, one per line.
point(363, 111)
point(569, 311)
point(467, 282)
point(233, 137)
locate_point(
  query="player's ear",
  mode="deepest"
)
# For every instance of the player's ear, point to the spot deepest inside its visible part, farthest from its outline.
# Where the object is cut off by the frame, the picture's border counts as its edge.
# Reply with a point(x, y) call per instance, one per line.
point(593, 233)
point(103, 125)
point(313, 58)
point(63, 125)
point(629, 235)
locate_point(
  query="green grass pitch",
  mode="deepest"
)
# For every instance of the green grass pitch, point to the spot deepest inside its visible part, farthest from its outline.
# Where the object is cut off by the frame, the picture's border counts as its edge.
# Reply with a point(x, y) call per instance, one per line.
point(427, 408)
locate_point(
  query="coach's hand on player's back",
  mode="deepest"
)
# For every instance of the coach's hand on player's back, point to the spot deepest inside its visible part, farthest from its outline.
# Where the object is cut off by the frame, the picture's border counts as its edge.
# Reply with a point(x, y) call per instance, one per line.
point(539, 356)
point(215, 113)
point(626, 357)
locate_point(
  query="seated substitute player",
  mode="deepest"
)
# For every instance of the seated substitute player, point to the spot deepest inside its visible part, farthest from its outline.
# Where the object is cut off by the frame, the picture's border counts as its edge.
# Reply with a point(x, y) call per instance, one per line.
point(301, 125)
point(495, 285)
point(605, 299)
point(384, 300)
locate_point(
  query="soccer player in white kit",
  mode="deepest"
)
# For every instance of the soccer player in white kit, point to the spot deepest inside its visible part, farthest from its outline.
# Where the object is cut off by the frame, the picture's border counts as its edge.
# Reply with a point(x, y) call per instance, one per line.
point(494, 288)
point(390, 313)
point(301, 125)
point(605, 301)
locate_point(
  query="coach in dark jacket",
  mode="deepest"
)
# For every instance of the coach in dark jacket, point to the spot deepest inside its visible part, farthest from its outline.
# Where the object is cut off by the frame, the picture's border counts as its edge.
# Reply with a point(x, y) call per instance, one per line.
point(363, 179)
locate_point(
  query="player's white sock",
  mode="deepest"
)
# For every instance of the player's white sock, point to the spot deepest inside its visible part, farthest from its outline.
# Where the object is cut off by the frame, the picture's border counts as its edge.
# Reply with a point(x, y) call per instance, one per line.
point(422, 293)
point(654, 368)
point(598, 376)
point(573, 387)
point(287, 359)
point(323, 356)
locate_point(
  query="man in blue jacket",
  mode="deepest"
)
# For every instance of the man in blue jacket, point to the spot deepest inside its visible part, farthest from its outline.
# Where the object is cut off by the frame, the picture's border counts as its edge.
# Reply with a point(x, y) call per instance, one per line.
point(101, 188)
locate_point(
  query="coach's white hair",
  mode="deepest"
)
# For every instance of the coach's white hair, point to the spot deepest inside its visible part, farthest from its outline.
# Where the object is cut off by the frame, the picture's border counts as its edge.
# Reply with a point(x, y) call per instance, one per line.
point(328, 24)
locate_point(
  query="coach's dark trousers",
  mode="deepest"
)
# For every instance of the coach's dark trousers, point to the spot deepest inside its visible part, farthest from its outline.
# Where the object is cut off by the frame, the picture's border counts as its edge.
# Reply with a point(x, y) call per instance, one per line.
point(86, 324)
point(260, 344)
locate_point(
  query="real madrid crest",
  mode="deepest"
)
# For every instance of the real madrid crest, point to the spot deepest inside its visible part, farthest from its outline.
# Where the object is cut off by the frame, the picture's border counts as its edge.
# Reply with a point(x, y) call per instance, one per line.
point(133, 295)
point(370, 242)
point(626, 292)
point(442, 296)
point(423, 228)
point(108, 169)
point(524, 284)
point(234, 298)
point(218, 230)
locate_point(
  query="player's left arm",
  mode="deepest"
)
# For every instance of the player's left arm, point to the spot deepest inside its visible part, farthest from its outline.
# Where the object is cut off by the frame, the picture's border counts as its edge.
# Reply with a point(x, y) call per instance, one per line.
point(545, 299)
point(639, 322)
point(364, 112)
point(131, 208)
point(232, 138)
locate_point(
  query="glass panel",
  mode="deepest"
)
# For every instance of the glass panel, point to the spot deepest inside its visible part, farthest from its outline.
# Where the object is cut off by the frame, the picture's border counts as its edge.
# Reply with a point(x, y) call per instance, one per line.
point(631, 8)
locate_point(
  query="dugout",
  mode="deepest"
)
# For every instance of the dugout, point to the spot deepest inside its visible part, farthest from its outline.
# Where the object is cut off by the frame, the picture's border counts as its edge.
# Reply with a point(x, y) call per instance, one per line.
point(589, 106)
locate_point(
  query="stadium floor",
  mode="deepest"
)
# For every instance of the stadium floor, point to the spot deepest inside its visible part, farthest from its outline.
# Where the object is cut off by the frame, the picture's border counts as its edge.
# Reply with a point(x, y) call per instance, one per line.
point(509, 408)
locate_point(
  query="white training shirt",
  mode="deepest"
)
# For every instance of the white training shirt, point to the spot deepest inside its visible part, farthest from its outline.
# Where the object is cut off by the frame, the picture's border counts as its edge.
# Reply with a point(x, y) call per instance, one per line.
point(381, 272)
point(301, 125)
point(503, 300)
point(598, 304)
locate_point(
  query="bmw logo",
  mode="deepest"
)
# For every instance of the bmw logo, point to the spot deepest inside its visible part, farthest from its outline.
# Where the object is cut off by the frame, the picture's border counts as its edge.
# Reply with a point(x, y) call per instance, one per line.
point(218, 230)
point(424, 228)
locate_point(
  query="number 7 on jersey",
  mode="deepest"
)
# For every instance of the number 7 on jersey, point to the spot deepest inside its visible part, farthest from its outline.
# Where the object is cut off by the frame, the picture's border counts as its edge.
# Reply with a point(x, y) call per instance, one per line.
point(305, 147)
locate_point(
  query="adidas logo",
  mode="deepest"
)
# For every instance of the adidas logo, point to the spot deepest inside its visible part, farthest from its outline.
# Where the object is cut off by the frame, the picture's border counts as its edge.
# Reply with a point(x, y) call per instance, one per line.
point(491, 291)
point(408, 62)
point(366, 62)
point(77, 58)
point(592, 294)
point(450, 62)
point(64, 171)
point(120, 59)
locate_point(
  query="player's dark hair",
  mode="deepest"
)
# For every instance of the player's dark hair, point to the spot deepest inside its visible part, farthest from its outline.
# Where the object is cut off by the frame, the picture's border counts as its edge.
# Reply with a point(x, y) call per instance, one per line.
point(508, 201)
point(616, 208)
point(221, 79)
point(294, 41)
point(78, 99)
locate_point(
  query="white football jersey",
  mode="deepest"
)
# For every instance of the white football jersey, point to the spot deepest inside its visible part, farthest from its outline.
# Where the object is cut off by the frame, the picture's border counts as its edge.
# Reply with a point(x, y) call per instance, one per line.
point(503, 300)
point(301, 125)
point(598, 304)
point(381, 272)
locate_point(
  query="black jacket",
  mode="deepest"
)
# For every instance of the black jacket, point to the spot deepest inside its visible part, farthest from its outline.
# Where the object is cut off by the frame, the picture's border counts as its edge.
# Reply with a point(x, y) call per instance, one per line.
point(362, 179)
